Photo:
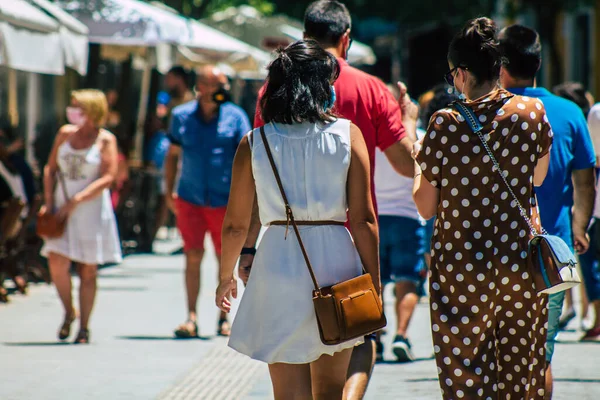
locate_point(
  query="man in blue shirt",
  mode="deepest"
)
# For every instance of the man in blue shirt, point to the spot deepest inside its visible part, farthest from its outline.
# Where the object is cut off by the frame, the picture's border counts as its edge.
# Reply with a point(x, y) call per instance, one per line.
point(566, 199)
point(204, 135)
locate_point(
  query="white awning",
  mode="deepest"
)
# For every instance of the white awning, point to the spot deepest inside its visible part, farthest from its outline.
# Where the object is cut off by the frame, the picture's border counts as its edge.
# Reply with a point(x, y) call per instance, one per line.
point(74, 36)
point(216, 46)
point(128, 22)
point(30, 39)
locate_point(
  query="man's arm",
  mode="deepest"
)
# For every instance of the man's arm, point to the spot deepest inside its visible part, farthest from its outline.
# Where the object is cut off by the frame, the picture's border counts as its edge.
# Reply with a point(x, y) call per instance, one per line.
point(399, 154)
point(584, 183)
point(171, 169)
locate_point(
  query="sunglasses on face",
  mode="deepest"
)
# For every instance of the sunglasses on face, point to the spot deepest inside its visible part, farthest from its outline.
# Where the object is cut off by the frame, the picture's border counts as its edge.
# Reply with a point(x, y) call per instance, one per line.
point(350, 43)
point(449, 77)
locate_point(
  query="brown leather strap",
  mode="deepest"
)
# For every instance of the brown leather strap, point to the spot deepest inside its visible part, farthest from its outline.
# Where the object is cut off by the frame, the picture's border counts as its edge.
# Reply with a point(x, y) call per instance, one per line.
point(308, 223)
point(288, 209)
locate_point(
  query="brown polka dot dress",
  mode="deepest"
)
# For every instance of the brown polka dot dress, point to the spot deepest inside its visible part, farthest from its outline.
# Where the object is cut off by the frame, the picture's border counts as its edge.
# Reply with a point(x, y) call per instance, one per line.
point(489, 325)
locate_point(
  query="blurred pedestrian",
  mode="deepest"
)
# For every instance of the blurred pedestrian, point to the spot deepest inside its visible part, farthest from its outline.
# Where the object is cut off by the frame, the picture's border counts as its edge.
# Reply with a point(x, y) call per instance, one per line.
point(590, 262)
point(177, 86)
point(404, 235)
point(566, 199)
point(324, 166)
point(155, 150)
point(85, 155)
point(577, 93)
point(366, 101)
point(487, 319)
point(204, 134)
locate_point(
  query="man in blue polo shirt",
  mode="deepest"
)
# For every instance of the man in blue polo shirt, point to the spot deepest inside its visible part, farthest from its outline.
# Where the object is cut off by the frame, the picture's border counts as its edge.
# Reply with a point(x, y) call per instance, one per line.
point(566, 199)
point(204, 134)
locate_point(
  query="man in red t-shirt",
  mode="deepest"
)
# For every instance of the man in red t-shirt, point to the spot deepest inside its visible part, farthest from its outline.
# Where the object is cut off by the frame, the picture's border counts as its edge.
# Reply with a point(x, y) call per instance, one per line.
point(367, 102)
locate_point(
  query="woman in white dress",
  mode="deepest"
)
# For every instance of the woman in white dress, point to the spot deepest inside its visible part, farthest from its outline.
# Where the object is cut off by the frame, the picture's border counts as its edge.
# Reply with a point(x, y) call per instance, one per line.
point(86, 157)
point(324, 166)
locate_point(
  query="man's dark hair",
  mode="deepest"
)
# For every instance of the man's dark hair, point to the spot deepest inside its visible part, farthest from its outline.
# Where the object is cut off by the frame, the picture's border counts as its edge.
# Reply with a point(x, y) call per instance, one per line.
point(575, 92)
point(179, 72)
point(299, 85)
point(475, 48)
point(326, 22)
point(521, 51)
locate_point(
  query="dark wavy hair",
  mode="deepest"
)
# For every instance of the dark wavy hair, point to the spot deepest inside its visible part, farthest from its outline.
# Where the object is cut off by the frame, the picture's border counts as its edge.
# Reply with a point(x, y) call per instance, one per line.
point(299, 83)
point(443, 95)
point(575, 92)
point(476, 49)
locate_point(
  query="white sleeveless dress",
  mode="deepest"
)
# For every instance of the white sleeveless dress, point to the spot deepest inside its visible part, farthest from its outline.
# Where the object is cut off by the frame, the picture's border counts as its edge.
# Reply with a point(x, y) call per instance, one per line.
point(91, 235)
point(276, 321)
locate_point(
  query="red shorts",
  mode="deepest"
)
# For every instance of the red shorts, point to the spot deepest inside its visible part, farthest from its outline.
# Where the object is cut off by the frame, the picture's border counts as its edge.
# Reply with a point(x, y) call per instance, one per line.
point(194, 221)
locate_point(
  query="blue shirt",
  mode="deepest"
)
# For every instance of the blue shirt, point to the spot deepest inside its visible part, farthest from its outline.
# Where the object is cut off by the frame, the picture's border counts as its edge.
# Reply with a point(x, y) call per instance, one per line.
point(156, 149)
point(208, 149)
point(572, 150)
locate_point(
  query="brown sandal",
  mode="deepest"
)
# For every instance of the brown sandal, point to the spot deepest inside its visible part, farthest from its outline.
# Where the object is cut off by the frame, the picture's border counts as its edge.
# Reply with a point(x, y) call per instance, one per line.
point(65, 329)
point(183, 331)
point(83, 337)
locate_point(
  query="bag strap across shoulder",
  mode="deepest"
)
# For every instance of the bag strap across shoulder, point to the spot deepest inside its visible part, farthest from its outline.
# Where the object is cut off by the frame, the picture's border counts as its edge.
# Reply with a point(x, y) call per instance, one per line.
point(288, 208)
point(473, 122)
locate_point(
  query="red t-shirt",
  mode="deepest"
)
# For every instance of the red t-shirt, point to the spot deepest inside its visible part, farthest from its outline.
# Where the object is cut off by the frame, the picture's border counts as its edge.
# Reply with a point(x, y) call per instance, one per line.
point(367, 102)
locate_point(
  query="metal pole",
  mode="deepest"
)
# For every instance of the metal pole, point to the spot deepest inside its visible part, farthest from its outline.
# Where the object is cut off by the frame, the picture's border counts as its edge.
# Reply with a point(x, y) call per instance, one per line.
point(142, 111)
point(33, 113)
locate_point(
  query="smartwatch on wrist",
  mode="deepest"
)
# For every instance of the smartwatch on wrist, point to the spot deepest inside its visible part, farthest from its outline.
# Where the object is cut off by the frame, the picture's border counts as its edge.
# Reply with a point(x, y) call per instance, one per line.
point(248, 251)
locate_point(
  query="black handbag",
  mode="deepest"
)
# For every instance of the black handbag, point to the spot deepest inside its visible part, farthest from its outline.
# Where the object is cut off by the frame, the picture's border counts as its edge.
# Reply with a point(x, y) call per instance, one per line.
point(554, 266)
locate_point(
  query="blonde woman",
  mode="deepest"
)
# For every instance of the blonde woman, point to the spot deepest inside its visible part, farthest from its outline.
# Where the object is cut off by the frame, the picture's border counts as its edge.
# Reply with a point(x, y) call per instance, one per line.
point(86, 157)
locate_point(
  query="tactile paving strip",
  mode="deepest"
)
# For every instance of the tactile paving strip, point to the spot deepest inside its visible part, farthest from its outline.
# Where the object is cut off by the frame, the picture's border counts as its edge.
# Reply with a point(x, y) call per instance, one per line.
point(223, 374)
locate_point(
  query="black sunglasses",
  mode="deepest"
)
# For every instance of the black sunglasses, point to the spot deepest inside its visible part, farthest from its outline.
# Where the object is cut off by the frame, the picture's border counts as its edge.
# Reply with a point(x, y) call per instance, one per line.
point(350, 43)
point(449, 77)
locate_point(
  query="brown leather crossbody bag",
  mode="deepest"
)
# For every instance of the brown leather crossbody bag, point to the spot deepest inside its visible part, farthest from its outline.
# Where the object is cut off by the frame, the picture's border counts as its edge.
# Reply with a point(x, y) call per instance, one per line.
point(48, 225)
point(346, 310)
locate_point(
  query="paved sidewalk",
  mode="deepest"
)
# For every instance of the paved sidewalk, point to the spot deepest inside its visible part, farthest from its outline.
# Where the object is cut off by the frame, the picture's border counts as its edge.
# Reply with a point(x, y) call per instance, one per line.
point(133, 355)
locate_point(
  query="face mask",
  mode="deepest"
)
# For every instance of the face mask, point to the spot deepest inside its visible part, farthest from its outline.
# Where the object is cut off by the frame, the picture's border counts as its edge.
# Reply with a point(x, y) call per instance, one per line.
point(75, 116)
point(331, 103)
point(221, 96)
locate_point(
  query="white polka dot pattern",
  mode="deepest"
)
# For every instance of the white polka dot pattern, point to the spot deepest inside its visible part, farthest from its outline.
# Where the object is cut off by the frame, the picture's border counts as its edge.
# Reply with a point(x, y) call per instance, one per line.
point(485, 318)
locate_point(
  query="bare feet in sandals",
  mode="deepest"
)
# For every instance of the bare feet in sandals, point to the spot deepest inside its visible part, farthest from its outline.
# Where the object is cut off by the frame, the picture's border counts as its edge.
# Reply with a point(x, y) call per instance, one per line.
point(83, 337)
point(224, 328)
point(65, 329)
point(187, 330)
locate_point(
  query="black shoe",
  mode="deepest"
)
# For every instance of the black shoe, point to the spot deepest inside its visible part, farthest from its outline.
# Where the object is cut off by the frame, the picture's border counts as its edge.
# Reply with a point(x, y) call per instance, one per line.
point(378, 351)
point(402, 349)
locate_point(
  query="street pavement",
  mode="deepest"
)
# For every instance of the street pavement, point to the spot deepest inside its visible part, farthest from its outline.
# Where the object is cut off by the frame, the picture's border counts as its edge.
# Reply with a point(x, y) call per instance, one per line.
point(133, 355)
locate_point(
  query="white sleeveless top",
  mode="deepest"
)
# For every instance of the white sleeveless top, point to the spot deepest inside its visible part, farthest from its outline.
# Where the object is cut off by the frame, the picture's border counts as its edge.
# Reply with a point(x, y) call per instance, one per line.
point(276, 320)
point(91, 235)
point(313, 162)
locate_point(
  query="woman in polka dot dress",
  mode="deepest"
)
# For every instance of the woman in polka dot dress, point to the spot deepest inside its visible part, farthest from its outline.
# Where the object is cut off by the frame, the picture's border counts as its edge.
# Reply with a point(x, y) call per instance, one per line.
point(488, 321)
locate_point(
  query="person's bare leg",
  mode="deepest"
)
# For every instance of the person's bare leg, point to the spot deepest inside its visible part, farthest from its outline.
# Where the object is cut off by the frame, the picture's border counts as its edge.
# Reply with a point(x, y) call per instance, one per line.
point(328, 375)
point(549, 383)
point(596, 305)
point(406, 302)
point(585, 304)
point(193, 259)
point(61, 277)
point(291, 381)
point(360, 370)
point(427, 257)
point(569, 300)
point(87, 292)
